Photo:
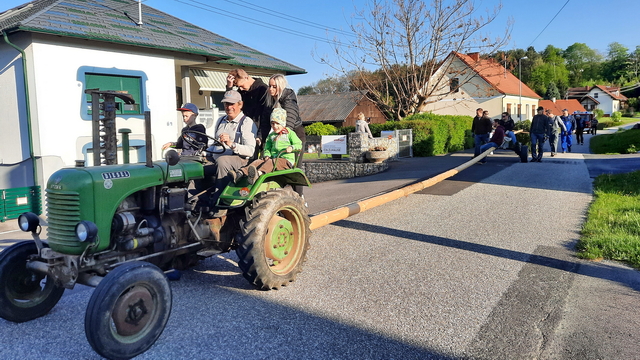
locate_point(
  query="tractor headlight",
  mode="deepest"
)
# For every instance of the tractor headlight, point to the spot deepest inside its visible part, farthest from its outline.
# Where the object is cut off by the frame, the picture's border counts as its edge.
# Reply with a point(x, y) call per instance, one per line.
point(86, 231)
point(28, 222)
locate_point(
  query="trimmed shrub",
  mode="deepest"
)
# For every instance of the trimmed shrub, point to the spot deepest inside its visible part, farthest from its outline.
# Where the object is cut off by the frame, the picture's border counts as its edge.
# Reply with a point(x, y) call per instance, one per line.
point(522, 138)
point(320, 129)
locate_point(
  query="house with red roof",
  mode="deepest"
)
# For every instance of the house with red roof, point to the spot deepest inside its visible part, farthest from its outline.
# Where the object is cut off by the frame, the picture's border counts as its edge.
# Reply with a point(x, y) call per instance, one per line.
point(572, 105)
point(607, 98)
point(464, 82)
point(51, 51)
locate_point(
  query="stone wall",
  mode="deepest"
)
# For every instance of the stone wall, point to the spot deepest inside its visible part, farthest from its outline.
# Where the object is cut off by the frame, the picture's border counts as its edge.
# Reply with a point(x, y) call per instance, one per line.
point(355, 165)
point(359, 144)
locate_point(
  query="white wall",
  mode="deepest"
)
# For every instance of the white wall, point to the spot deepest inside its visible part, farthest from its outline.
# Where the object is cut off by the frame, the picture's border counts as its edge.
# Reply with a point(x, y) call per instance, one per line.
point(606, 101)
point(59, 92)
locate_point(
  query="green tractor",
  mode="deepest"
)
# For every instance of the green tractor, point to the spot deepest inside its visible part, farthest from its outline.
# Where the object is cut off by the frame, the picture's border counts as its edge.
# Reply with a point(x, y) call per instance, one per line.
point(119, 227)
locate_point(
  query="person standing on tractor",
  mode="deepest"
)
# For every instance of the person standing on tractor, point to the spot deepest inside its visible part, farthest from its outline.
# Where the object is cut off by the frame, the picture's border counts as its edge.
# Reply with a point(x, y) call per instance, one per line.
point(236, 133)
point(539, 130)
point(253, 91)
point(280, 139)
point(569, 127)
point(193, 130)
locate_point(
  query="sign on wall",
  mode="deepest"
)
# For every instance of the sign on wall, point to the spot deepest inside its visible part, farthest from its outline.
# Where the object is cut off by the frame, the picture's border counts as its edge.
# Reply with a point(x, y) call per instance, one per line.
point(334, 144)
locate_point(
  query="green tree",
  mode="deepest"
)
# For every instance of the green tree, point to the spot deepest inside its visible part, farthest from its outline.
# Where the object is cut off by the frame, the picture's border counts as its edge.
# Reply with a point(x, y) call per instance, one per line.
point(552, 92)
point(583, 63)
point(329, 85)
point(306, 90)
point(618, 64)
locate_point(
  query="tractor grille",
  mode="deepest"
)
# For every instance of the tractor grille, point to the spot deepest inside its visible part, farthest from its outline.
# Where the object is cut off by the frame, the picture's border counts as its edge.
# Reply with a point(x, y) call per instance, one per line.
point(63, 213)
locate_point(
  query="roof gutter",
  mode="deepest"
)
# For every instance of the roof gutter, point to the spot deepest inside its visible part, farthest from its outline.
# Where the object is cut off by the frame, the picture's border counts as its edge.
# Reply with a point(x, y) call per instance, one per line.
point(28, 105)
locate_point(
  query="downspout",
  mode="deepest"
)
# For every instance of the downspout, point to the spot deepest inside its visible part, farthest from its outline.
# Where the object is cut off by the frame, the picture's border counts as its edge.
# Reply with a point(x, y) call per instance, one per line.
point(28, 104)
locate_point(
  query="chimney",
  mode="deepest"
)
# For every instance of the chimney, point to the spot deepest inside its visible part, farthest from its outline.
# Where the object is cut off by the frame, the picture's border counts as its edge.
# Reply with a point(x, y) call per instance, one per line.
point(475, 56)
point(553, 99)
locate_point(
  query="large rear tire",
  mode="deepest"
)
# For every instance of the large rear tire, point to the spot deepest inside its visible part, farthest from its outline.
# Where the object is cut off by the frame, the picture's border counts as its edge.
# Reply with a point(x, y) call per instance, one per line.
point(128, 310)
point(274, 239)
point(24, 294)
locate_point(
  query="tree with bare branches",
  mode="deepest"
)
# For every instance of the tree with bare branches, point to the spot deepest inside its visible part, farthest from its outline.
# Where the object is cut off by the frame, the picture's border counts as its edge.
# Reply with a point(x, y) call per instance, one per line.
point(399, 45)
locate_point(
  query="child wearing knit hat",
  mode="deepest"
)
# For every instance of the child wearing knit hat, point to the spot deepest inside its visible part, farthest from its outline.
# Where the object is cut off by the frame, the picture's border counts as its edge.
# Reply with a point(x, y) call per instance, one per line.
point(279, 139)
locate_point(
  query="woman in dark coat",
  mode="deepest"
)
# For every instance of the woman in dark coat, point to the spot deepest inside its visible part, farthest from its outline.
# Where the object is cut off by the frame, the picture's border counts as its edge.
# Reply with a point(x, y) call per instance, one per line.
point(282, 96)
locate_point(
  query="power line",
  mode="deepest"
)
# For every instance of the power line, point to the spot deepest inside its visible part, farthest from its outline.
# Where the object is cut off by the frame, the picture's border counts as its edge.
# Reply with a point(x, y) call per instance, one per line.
point(554, 17)
point(219, 11)
point(292, 18)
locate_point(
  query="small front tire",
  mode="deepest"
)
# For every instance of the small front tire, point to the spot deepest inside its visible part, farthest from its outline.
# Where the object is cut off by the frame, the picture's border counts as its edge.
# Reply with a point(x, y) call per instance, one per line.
point(24, 294)
point(128, 310)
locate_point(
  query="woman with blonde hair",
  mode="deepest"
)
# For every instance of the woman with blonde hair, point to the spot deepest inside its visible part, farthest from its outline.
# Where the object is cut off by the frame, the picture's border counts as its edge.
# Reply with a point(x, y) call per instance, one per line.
point(280, 95)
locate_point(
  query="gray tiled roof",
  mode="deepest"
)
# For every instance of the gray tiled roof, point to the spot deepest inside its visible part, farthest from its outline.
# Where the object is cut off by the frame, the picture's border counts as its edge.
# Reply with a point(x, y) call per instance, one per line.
point(116, 21)
point(328, 107)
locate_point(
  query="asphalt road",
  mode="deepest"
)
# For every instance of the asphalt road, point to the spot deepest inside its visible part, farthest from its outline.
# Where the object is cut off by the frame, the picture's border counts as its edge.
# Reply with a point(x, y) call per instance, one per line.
point(480, 266)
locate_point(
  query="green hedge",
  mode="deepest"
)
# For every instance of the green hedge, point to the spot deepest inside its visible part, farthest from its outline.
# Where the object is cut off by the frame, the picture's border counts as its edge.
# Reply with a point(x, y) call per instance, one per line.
point(433, 134)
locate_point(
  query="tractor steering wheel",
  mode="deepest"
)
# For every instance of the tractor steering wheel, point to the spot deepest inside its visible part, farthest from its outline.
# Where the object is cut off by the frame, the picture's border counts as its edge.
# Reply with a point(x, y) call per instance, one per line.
point(202, 147)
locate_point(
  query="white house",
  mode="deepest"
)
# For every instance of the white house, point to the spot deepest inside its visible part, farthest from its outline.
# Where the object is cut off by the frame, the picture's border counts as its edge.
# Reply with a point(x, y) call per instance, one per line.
point(51, 51)
point(607, 98)
point(464, 83)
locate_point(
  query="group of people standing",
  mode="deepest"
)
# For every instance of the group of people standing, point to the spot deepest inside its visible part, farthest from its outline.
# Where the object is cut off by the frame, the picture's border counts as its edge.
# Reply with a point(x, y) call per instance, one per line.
point(253, 110)
point(483, 125)
point(547, 125)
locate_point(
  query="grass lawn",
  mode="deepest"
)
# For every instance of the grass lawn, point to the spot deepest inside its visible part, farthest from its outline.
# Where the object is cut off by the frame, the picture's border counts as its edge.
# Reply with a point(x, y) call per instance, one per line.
point(627, 120)
point(621, 142)
point(612, 229)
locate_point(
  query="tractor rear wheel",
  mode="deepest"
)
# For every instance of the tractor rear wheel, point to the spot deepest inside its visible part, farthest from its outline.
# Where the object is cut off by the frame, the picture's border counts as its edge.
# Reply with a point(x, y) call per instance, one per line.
point(274, 239)
point(128, 310)
point(24, 294)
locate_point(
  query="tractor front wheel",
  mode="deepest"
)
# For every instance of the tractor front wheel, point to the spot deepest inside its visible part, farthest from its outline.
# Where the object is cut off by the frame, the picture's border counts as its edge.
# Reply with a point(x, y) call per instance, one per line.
point(24, 294)
point(275, 239)
point(128, 310)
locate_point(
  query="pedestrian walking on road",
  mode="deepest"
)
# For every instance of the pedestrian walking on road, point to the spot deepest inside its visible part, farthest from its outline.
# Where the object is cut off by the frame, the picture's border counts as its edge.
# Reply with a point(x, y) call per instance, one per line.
point(569, 126)
point(555, 127)
point(594, 125)
point(538, 131)
point(581, 124)
point(481, 127)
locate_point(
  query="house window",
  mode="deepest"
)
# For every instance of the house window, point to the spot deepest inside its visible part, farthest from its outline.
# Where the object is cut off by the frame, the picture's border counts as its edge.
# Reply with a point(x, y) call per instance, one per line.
point(519, 111)
point(454, 85)
point(129, 84)
point(509, 108)
point(595, 95)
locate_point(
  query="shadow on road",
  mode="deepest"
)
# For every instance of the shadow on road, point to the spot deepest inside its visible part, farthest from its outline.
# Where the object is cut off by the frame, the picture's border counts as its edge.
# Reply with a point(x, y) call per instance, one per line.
point(586, 268)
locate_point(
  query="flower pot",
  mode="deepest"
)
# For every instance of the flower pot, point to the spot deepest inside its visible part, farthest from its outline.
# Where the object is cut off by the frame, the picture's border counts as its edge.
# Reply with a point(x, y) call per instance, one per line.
point(377, 156)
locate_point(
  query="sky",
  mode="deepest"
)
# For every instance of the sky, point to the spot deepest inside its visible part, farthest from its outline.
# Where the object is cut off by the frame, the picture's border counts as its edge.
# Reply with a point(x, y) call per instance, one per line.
point(293, 31)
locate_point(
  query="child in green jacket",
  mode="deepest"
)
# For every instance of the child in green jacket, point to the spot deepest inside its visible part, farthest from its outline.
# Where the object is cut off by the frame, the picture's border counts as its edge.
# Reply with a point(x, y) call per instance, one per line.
point(280, 138)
